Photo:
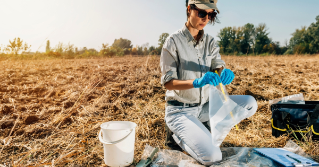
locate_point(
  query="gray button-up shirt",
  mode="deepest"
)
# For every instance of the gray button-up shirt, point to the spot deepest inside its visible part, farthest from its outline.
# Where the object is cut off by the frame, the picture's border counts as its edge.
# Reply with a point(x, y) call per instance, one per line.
point(183, 59)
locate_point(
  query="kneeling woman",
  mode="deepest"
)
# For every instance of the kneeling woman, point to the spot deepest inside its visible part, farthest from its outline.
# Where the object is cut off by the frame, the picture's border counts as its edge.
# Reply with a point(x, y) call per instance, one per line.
point(185, 64)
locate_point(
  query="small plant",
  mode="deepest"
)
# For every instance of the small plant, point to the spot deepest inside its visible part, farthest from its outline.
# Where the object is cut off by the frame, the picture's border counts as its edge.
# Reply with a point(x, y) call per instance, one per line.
point(16, 46)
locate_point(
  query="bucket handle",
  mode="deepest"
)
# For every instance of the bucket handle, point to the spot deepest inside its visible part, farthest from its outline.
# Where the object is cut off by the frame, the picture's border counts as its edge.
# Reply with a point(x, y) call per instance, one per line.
point(113, 142)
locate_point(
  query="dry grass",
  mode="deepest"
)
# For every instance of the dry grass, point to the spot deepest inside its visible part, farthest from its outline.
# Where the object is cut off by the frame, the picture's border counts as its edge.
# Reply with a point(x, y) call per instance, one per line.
point(51, 110)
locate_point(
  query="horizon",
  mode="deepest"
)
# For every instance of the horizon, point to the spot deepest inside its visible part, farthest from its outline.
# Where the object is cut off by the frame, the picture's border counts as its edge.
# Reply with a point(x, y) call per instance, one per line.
point(89, 24)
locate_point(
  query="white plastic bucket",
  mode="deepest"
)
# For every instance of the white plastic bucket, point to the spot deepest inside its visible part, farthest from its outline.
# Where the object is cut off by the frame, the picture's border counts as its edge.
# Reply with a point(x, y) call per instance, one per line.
point(118, 141)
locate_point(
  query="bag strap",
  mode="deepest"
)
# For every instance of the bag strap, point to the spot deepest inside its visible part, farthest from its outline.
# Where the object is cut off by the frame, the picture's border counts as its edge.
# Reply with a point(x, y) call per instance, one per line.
point(311, 119)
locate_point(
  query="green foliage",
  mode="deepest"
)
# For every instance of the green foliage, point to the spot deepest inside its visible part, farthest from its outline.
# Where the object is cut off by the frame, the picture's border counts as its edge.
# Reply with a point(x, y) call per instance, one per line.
point(47, 48)
point(162, 39)
point(139, 50)
point(224, 36)
point(313, 35)
point(245, 40)
point(68, 51)
point(16, 46)
point(305, 40)
point(262, 40)
point(237, 40)
point(59, 48)
point(88, 53)
point(248, 40)
point(122, 43)
point(152, 50)
point(111, 51)
point(161, 42)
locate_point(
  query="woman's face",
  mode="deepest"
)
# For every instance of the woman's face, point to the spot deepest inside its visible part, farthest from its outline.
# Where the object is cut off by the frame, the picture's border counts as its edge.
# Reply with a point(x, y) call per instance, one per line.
point(197, 22)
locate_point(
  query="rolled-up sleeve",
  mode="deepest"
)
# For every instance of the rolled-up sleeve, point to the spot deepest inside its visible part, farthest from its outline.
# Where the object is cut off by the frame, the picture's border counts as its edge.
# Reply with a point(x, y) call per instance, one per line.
point(169, 61)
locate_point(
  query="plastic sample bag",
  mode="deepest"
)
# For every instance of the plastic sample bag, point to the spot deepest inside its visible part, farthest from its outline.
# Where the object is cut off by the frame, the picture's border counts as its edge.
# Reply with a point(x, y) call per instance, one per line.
point(292, 99)
point(164, 158)
point(232, 156)
point(224, 113)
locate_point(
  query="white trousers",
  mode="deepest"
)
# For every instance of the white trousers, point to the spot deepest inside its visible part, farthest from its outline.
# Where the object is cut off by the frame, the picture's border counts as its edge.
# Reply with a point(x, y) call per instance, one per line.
point(189, 132)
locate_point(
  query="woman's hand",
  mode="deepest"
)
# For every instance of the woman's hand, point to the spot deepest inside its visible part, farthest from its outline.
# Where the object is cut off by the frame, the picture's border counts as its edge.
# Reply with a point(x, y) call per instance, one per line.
point(227, 76)
point(208, 78)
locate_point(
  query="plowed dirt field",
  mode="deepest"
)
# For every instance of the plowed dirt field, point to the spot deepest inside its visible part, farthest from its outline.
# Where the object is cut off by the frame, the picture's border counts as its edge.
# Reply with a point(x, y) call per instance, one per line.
point(51, 110)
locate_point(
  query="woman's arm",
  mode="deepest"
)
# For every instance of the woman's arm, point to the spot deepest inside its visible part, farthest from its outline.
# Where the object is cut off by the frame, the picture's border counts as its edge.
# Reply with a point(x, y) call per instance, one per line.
point(175, 84)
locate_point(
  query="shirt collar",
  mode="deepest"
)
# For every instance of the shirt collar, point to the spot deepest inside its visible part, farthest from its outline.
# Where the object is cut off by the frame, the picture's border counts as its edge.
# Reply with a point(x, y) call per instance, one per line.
point(189, 35)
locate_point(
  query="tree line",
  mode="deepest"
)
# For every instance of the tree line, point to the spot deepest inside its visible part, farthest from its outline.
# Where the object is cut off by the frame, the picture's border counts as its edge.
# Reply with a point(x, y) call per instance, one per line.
point(245, 40)
point(120, 47)
point(305, 40)
point(250, 39)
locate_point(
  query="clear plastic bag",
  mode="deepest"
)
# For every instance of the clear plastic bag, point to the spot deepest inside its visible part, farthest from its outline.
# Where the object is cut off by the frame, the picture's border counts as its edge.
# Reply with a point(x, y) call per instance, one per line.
point(165, 158)
point(293, 147)
point(292, 99)
point(232, 156)
point(224, 114)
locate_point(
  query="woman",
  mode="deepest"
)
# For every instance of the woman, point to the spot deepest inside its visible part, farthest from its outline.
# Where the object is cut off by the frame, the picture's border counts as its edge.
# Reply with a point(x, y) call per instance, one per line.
point(185, 64)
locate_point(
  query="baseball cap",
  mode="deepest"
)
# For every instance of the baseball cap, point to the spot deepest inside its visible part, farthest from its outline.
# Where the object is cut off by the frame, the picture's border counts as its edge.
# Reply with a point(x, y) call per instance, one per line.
point(205, 4)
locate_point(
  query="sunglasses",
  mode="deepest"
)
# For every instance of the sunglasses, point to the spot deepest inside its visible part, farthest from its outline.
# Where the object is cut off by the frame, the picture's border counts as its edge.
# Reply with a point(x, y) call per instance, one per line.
point(203, 13)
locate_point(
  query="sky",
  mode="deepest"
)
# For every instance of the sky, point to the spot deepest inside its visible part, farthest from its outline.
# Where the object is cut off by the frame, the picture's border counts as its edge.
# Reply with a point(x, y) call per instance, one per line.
point(88, 24)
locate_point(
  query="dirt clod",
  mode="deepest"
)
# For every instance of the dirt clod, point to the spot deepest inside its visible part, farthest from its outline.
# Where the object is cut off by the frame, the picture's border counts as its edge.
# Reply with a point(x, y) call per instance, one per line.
point(7, 109)
point(7, 124)
point(31, 119)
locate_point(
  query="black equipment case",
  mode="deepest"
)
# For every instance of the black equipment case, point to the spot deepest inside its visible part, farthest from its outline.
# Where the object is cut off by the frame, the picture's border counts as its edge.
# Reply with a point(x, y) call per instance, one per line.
point(298, 120)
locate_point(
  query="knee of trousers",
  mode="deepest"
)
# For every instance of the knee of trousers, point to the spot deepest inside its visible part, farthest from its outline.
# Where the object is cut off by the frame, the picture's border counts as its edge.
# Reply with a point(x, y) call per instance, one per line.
point(213, 155)
point(205, 155)
point(252, 106)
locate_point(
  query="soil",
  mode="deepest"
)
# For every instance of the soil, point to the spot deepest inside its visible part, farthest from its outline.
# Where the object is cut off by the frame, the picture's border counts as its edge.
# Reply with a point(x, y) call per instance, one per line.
point(51, 110)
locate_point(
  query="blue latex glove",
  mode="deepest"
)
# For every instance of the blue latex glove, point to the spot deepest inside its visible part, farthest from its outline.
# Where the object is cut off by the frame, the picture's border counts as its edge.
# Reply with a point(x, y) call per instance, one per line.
point(227, 76)
point(208, 78)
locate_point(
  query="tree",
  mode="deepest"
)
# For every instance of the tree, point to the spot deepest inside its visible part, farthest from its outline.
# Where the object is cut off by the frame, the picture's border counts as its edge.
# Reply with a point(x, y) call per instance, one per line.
point(248, 38)
point(261, 39)
point(146, 45)
point(134, 51)
point(47, 48)
point(84, 49)
point(312, 36)
point(59, 48)
point(122, 43)
point(230, 40)
point(139, 50)
point(161, 41)
point(109, 51)
point(236, 38)
point(145, 48)
point(298, 42)
point(224, 36)
point(145, 51)
point(92, 50)
point(16, 46)
point(69, 50)
point(151, 50)
point(274, 48)
point(103, 51)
